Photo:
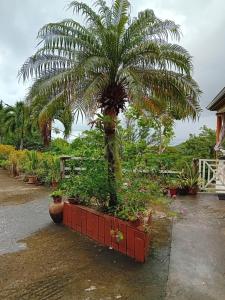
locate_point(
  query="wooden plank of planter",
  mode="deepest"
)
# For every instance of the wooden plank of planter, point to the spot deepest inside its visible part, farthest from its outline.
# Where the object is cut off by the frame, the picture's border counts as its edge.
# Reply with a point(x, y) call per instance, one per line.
point(65, 214)
point(73, 220)
point(130, 241)
point(83, 221)
point(101, 229)
point(108, 228)
point(115, 227)
point(123, 243)
point(92, 226)
point(78, 218)
point(69, 219)
point(139, 248)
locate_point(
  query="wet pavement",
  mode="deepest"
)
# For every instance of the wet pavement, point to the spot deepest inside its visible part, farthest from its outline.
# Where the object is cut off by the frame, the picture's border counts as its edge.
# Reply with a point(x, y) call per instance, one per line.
point(19, 221)
point(197, 262)
point(56, 263)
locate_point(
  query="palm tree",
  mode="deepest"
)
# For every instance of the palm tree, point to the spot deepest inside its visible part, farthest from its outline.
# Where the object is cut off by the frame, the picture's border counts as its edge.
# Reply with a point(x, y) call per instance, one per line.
point(43, 112)
point(16, 121)
point(110, 61)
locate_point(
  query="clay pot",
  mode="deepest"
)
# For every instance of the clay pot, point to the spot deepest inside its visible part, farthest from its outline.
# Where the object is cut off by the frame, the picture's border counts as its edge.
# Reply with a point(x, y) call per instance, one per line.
point(193, 190)
point(183, 191)
point(56, 210)
point(54, 184)
point(32, 179)
point(173, 192)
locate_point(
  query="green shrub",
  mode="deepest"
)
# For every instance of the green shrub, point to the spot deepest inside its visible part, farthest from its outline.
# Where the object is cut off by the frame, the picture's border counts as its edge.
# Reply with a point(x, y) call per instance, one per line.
point(90, 185)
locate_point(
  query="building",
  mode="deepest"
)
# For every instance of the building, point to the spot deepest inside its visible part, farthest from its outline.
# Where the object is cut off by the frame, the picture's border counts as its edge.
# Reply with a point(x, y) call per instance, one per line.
point(218, 105)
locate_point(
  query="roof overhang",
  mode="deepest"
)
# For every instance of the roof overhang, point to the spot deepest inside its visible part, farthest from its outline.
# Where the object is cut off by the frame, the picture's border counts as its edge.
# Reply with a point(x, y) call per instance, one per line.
point(218, 102)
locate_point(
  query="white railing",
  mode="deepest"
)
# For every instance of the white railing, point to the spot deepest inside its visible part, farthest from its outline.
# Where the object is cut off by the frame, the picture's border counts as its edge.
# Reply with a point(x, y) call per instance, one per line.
point(212, 175)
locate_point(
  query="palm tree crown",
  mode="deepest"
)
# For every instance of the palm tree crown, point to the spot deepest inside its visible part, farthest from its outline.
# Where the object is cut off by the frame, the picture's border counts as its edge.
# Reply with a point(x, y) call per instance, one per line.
point(111, 60)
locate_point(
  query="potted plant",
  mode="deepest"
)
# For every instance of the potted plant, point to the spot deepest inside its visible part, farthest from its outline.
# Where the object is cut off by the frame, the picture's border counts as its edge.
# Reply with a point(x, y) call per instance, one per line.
point(57, 196)
point(32, 165)
point(183, 187)
point(191, 176)
point(172, 187)
point(71, 191)
point(54, 171)
point(56, 208)
point(193, 185)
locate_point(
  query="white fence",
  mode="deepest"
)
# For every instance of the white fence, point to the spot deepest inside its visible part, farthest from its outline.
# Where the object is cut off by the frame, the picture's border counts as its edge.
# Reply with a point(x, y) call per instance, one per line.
point(212, 175)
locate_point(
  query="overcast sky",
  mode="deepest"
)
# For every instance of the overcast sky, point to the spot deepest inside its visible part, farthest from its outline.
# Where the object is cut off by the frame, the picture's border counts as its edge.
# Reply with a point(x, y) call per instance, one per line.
point(202, 23)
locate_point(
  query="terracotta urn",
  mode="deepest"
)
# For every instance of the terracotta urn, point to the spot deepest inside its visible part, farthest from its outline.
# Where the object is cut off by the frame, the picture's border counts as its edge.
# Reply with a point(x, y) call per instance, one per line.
point(193, 190)
point(56, 210)
point(54, 184)
point(32, 179)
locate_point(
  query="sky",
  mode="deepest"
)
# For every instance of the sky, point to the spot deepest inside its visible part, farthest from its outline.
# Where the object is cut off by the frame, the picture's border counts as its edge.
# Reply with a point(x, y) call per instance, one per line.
point(202, 23)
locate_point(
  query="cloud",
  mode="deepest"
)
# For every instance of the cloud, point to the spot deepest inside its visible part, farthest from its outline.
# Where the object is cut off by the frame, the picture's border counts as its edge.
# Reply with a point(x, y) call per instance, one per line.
point(202, 23)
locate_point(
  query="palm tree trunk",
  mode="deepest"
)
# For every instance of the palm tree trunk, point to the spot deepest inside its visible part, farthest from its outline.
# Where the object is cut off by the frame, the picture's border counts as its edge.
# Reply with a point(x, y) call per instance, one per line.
point(21, 143)
point(112, 154)
point(46, 133)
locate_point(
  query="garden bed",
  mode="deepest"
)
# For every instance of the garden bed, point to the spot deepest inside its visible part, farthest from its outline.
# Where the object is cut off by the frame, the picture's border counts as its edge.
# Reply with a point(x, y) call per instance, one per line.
point(108, 230)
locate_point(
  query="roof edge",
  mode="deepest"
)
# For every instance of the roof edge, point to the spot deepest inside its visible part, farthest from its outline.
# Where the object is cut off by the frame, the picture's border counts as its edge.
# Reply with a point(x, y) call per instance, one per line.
point(213, 105)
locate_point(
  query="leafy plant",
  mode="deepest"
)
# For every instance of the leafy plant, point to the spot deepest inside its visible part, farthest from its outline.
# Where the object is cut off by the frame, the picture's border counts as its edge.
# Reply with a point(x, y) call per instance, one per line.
point(57, 193)
point(90, 185)
point(190, 176)
point(54, 168)
point(32, 162)
point(136, 197)
point(172, 183)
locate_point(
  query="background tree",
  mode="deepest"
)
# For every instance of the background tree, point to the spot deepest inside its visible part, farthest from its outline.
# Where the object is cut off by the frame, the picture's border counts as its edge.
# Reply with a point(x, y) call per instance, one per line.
point(154, 128)
point(44, 111)
point(111, 60)
point(16, 121)
point(201, 145)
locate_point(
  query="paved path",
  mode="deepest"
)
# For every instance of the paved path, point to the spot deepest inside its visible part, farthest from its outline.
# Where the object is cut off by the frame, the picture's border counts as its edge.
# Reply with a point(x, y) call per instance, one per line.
point(197, 261)
point(19, 221)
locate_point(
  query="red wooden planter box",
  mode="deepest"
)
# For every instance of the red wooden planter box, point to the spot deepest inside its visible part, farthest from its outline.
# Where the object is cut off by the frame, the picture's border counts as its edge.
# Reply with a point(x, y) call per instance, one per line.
point(102, 228)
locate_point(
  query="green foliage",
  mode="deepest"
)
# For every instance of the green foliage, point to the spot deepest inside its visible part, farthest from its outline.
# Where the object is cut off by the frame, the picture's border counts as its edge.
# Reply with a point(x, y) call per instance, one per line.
point(89, 144)
point(200, 146)
point(18, 128)
point(150, 127)
point(90, 185)
point(189, 176)
point(136, 195)
point(57, 193)
point(32, 162)
point(60, 146)
point(4, 164)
